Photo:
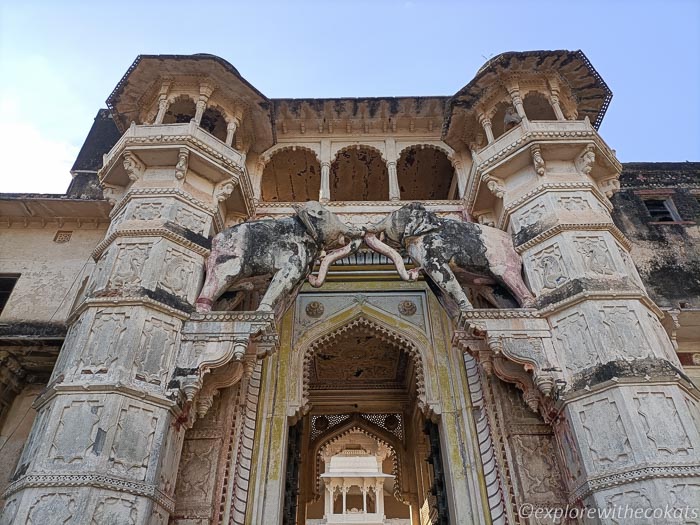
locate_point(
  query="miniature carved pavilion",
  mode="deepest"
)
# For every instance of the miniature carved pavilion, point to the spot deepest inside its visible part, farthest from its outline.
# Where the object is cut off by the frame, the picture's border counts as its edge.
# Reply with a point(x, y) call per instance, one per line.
point(337, 374)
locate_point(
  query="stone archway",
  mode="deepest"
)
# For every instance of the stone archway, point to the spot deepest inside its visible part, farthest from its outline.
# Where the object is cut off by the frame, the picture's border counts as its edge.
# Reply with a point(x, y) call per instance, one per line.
point(366, 376)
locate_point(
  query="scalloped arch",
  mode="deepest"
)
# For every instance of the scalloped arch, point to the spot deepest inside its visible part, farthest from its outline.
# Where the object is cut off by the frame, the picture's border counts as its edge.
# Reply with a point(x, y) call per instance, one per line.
point(372, 431)
point(405, 338)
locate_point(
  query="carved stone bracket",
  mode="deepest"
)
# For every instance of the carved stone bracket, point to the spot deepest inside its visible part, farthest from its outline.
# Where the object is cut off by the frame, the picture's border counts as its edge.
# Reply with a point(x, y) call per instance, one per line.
point(516, 347)
point(495, 186)
point(584, 162)
point(538, 159)
point(182, 161)
point(215, 347)
point(133, 166)
point(609, 186)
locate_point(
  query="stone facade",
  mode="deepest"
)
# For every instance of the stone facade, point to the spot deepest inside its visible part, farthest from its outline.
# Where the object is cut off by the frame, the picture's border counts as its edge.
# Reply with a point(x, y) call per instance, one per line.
point(121, 403)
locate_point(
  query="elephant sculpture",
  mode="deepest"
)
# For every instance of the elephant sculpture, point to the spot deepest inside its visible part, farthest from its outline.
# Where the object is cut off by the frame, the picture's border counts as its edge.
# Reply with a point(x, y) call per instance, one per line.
point(451, 253)
point(283, 250)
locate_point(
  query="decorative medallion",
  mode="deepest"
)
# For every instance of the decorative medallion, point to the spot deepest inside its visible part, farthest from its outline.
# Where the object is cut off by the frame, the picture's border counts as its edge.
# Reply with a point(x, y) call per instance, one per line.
point(321, 423)
point(407, 308)
point(314, 309)
point(391, 422)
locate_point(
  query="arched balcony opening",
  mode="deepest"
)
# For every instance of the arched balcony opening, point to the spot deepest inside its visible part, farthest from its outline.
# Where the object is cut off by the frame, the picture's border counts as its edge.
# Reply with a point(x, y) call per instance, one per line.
point(291, 175)
point(359, 174)
point(180, 111)
point(537, 107)
point(214, 122)
point(424, 173)
point(498, 121)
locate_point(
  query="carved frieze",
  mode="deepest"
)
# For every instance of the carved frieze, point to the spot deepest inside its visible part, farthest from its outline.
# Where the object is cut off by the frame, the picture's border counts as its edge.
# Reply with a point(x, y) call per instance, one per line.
point(540, 480)
point(178, 276)
point(195, 481)
point(156, 350)
point(122, 510)
point(54, 507)
point(574, 336)
point(104, 340)
point(595, 254)
point(128, 268)
point(549, 267)
point(669, 439)
point(607, 442)
point(146, 211)
point(77, 434)
point(132, 445)
point(191, 220)
point(622, 335)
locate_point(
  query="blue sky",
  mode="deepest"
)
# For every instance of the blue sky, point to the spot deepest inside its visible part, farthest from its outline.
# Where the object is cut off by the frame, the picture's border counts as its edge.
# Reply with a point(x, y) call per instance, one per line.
point(60, 60)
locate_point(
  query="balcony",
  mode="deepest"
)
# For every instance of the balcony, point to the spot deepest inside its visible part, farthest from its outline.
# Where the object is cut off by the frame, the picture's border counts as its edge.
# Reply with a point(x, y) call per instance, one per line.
point(160, 144)
point(574, 133)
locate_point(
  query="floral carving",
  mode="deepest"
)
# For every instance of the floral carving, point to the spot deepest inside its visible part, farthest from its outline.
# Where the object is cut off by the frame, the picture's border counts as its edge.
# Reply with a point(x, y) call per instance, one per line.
point(315, 309)
point(407, 308)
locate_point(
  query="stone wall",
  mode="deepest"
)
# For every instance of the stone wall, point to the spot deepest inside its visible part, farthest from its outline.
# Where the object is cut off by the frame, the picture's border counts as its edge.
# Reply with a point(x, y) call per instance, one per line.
point(667, 255)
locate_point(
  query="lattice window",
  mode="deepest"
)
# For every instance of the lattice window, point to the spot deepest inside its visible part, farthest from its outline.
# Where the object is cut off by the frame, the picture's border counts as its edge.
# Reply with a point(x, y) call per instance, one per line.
point(392, 423)
point(321, 423)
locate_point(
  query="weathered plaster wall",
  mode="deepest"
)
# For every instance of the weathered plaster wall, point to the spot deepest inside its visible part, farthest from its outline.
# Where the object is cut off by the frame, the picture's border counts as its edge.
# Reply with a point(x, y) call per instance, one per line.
point(51, 274)
point(667, 255)
point(14, 431)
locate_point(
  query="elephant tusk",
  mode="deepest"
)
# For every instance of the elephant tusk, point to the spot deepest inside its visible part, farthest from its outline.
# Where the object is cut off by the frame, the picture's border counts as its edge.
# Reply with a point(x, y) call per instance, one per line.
point(378, 246)
point(317, 280)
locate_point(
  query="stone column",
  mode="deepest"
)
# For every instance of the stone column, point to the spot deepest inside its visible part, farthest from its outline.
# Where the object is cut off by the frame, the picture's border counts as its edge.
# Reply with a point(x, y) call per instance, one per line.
point(514, 92)
point(345, 498)
point(231, 131)
point(624, 414)
point(205, 92)
point(364, 499)
point(485, 122)
point(379, 489)
point(392, 158)
point(325, 158)
point(106, 442)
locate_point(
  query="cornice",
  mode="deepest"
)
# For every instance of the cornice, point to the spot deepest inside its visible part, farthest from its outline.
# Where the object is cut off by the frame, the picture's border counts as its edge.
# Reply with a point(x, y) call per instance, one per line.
point(126, 300)
point(579, 227)
point(148, 232)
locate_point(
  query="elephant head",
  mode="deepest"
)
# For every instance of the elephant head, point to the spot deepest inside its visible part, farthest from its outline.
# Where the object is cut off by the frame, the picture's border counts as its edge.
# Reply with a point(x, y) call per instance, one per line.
point(410, 220)
point(324, 226)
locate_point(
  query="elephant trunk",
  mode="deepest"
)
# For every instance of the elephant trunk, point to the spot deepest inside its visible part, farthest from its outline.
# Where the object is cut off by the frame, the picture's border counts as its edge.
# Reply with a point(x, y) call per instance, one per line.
point(317, 280)
point(378, 246)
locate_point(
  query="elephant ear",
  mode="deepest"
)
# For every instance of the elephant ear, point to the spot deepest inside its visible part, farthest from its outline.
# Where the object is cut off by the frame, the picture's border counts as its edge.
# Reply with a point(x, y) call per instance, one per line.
point(420, 223)
point(304, 215)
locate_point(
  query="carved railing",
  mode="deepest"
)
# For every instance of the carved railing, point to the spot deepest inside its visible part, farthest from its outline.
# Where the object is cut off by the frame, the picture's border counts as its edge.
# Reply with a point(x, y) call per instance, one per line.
point(190, 132)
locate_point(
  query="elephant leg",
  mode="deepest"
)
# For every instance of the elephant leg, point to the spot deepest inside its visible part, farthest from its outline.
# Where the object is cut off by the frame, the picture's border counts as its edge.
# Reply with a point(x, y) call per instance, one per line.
point(440, 273)
point(219, 277)
point(282, 284)
point(513, 281)
point(443, 277)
